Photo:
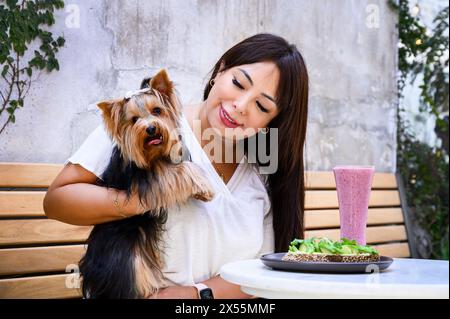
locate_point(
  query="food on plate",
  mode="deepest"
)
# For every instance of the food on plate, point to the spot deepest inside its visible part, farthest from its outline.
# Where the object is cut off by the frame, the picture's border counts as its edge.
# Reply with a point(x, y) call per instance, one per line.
point(327, 250)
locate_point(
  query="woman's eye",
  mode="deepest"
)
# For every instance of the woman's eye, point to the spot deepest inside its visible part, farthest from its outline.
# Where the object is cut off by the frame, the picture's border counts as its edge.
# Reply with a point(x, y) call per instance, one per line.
point(157, 111)
point(235, 82)
point(135, 119)
point(262, 108)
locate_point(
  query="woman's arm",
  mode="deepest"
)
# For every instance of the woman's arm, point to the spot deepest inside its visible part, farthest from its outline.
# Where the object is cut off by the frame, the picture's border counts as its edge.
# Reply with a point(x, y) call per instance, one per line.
point(221, 288)
point(74, 198)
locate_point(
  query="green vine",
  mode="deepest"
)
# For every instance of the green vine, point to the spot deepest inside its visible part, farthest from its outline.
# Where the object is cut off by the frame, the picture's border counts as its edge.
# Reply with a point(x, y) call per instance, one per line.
point(424, 169)
point(21, 23)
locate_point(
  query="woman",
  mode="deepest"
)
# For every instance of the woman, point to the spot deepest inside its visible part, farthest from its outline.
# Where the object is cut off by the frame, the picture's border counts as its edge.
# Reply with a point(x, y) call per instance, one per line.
point(259, 84)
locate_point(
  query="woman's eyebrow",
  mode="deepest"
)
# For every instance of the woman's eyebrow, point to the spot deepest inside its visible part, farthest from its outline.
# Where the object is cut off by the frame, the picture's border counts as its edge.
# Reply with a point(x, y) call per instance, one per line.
point(269, 97)
point(251, 82)
point(247, 76)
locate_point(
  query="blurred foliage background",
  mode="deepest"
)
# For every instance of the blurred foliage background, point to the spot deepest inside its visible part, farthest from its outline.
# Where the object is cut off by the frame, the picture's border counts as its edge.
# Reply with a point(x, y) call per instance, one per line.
point(423, 55)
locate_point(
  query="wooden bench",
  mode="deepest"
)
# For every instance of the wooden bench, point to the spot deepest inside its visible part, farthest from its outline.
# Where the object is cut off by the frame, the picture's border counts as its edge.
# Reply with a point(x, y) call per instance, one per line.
point(38, 255)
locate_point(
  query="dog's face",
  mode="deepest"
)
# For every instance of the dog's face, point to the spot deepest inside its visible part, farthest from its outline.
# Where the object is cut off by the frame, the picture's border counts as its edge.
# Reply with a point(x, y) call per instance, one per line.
point(144, 125)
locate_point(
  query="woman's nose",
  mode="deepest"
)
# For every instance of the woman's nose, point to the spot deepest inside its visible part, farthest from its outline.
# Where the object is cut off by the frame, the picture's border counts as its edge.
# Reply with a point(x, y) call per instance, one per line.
point(240, 107)
point(242, 102)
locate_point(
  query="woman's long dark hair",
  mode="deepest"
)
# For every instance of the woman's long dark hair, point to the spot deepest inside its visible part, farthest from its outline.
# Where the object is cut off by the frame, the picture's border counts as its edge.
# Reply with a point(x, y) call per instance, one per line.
point(286, 187)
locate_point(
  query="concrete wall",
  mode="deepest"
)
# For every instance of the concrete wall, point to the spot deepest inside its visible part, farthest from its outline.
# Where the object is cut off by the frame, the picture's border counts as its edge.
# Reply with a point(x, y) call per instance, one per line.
point(349, 46)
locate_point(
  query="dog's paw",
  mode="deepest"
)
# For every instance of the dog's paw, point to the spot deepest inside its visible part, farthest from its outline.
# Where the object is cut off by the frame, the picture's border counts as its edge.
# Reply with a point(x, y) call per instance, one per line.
point(204, 195)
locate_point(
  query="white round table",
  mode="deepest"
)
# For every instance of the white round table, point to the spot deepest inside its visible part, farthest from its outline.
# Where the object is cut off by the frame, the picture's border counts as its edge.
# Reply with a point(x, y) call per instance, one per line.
point(405, 278)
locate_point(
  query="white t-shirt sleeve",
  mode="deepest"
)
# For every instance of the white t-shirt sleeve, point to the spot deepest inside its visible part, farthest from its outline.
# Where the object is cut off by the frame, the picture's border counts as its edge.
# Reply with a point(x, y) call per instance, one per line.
point(95, 152)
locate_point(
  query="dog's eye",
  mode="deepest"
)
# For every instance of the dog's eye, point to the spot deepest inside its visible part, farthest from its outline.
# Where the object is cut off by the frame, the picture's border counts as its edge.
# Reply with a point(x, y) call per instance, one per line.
point(157, 111)
point(135, 119)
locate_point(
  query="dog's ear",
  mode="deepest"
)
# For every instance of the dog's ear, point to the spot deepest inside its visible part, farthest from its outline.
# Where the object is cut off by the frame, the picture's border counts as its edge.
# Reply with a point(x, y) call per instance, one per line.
point(111, 110)
point(162, 83)
point(109, 106)
point(145, 83)
point(105, 106)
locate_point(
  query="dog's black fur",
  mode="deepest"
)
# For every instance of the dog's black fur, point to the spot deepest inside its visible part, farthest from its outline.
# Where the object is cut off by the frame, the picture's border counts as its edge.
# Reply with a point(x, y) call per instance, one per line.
point(107, 268)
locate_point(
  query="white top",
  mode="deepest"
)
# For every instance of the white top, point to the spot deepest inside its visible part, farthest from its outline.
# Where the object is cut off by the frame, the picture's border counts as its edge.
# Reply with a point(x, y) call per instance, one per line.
point(405, 278)
point(203, 236)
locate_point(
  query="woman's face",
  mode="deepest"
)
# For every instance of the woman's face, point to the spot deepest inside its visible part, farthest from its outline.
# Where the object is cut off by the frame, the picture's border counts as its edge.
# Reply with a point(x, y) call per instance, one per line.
point(245, 95)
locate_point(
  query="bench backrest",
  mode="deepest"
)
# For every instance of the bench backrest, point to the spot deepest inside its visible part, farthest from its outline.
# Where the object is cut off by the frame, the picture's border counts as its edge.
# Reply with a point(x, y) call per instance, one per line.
point(38, 255)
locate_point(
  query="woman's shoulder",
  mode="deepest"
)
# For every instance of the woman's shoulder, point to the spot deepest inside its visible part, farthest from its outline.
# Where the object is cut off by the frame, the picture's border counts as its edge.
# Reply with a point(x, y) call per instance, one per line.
point(95, 152)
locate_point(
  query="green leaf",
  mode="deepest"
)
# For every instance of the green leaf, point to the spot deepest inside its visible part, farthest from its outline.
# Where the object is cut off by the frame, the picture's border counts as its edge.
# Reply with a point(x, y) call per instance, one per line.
point(10, 110)
point(347, 241)
point(346, 249)
point(293, 249)
point(328, 246)
point(60, 41)
point(5, 70)
point(11, 3)
point(307, 248)
point(56, 64)
point(367, 249)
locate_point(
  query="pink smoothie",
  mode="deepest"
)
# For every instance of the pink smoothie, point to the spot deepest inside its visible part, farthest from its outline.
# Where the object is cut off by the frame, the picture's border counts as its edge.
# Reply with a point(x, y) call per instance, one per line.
point(353, 185)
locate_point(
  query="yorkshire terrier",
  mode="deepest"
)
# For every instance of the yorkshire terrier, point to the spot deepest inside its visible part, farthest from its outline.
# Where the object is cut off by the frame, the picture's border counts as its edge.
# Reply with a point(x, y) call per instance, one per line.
point(123, 258)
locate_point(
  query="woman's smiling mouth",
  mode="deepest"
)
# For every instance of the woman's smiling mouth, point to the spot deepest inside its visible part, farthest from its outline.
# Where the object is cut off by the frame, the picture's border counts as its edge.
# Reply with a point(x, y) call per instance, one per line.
point(226, 119)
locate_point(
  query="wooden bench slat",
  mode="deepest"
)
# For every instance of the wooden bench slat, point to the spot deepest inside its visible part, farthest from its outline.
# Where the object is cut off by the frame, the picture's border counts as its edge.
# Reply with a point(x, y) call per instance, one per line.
point(19, 204)
point(52, 286)
point(329, 199)
point(41, 231)
point(24, 204)
point(325, 180)
point(14, 204)
point(28, 174)
point(396, 250)
point(15, 261)
point(330, 218)
point(374, 234)
point(41, 175)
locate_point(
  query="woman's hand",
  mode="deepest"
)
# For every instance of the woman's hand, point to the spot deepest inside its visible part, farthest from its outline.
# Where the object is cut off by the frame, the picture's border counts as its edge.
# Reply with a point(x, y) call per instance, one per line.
point(176, 292)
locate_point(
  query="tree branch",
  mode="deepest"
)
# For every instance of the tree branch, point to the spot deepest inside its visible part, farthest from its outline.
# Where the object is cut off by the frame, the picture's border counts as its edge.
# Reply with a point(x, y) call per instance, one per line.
point(6, 80)
point(28, 88)
point(4, 126)
point(5, 101)
point(18, 75)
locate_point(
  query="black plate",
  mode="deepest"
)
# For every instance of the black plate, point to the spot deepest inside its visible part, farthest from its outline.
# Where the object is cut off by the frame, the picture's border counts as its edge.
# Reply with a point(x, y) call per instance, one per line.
point(274, 261)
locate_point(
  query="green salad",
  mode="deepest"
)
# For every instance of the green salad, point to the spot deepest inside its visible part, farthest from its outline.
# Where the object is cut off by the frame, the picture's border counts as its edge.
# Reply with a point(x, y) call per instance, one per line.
point(328, 246)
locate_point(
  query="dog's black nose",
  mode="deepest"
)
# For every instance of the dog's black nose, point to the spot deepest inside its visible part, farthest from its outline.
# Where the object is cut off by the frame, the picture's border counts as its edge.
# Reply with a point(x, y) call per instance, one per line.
point(151, 130)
